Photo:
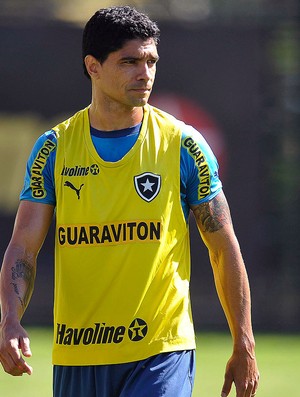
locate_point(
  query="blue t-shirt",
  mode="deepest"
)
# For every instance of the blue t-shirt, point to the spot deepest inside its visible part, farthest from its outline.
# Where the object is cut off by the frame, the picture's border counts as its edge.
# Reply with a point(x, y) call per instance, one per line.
point(113, 145)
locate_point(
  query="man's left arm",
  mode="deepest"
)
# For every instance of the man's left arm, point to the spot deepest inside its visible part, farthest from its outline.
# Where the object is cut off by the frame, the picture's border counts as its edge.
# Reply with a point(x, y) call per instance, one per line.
point(216, 229)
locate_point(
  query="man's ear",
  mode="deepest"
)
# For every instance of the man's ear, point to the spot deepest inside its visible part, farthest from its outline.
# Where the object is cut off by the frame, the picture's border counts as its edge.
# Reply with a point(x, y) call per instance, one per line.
point(92, 66)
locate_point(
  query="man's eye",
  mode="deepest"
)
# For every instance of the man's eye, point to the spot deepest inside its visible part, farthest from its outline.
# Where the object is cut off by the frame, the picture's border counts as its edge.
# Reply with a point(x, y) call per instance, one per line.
point(129, 61)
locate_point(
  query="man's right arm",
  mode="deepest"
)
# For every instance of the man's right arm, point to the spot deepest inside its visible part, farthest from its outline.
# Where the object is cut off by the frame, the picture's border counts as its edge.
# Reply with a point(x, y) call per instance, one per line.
point(17, 282)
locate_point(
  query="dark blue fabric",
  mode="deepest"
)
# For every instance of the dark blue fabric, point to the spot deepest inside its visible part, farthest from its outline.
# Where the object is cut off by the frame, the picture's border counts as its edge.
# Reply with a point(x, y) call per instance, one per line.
point(163, 375)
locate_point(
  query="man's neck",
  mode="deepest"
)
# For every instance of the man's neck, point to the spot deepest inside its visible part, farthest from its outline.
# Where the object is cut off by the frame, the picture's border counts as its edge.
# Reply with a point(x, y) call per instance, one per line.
point(116, 119)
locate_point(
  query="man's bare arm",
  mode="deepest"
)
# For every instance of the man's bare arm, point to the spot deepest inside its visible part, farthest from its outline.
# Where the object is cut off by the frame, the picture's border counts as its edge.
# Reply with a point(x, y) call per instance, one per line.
point(17, 282)
point(215, 225)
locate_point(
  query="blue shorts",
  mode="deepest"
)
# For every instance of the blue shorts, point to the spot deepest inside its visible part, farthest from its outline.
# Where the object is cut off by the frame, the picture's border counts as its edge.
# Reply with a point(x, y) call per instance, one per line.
point(164, 375)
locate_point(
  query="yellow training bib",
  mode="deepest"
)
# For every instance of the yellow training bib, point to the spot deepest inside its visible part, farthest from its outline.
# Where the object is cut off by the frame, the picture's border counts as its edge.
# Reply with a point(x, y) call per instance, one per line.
point(122, 247)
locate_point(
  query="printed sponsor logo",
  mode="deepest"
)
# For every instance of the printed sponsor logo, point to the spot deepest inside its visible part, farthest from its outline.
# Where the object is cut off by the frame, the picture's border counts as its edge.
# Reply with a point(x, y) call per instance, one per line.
point(76, 190)
point(78, 170)
point(36, 173)
point(108, 234)
point(137, 330)
point(202, 165)
point(101, 333)
point(147, 185)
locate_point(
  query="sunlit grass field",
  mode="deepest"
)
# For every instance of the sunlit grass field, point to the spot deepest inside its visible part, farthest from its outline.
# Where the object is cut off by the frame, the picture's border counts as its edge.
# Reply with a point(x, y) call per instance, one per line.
point(278, 357)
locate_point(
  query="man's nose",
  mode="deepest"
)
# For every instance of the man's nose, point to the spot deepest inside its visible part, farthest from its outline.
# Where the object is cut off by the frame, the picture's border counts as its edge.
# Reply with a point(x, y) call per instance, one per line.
point(145, 72)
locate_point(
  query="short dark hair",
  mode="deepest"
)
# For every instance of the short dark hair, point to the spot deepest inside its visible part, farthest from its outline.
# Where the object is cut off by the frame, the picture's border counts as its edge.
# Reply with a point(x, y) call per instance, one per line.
point(109, 28)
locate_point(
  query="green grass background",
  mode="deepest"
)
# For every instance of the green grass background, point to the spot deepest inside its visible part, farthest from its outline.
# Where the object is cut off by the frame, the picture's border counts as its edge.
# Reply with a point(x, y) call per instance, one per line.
point(278, 358)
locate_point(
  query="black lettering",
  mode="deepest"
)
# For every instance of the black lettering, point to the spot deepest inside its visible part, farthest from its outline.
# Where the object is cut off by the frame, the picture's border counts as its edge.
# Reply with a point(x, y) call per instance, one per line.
point(204, 189)
point(49, 144)
point(72, 239)
point(131, 226)
point(205, 182)
point(36, 172)
point(88, 336)
point(78, 335)
point(96, 333)
point(124, 232)
point(45, 151)
point(203, 170)
point(108, 334)
point(94, 234)
point(199, 161)
point(60, 333)
point(188, 142)
point(83, 238)
point(40, 157)
point(106, 234)
point(155, 230)
point(142, 231)
point(74, 235)
point(119, 334)
point(99, 339)
point(69, 336)
point(37, 181)
point(194, 149)
point(37, 165)
point(197, 154)
point(116, 233)
point(61, 235)
point(38, 193)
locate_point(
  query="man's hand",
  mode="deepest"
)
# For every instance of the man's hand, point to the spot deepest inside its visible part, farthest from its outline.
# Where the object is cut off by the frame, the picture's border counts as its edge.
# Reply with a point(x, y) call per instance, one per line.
point(14, 343)
point(241, 370)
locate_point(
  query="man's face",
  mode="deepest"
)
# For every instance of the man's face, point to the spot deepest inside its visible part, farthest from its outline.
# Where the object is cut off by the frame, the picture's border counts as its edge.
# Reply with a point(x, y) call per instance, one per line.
point(126, 77)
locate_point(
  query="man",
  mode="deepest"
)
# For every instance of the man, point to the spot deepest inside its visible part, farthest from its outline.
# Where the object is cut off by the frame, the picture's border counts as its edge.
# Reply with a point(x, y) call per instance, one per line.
point(122, 177)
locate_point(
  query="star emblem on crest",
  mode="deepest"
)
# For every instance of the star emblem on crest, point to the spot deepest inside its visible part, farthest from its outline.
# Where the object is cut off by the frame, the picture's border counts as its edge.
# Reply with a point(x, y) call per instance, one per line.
point(147, 185)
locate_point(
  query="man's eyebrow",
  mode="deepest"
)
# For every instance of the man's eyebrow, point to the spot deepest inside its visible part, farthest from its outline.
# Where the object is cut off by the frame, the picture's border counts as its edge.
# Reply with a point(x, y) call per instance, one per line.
point(129, 57)
point(136, 58)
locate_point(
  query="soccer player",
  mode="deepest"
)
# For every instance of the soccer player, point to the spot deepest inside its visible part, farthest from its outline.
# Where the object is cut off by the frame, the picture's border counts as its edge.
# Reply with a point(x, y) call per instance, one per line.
point(122, 177)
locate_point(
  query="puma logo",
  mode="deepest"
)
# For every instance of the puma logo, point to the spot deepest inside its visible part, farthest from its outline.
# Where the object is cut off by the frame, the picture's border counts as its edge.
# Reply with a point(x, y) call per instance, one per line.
point(77, 191)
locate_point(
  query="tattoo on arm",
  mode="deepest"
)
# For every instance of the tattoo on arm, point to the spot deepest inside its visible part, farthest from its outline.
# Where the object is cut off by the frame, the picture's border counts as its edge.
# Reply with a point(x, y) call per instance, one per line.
point(16, 289)
point(23, 271)
point(213, 215)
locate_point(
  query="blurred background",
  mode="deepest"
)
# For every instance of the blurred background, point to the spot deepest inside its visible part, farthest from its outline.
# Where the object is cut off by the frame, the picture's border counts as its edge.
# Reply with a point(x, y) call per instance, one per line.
point(231, 69)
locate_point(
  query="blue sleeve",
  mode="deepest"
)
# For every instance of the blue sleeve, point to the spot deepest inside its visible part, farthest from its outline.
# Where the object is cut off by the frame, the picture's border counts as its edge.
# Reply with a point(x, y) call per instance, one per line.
point(39, 175)
point(198, 170)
